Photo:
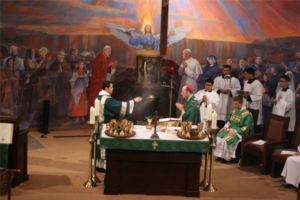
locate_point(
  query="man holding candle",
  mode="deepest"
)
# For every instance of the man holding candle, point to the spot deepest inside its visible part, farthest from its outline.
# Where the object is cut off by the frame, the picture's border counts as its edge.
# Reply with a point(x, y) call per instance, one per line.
point(208, 100)
point(226, 86)
point(189, 70)
point(240, 123)
point(190, 110)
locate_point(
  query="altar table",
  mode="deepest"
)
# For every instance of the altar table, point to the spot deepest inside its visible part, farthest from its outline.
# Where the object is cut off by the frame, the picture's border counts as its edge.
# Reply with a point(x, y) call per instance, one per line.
point(140, 165)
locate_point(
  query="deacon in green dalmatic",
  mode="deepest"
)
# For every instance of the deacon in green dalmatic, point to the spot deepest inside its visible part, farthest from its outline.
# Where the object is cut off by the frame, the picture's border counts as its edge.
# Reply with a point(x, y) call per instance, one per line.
point(190, 110)
point(111, 108)
point(240, 123)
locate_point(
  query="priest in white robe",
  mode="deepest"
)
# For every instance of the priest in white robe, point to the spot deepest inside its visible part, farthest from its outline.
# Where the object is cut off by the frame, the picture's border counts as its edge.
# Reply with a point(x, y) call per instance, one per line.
point(285, 105)
point(291, 170)
point(189, 70)
point(254, 98)
point(206, 97)
point(226, 86)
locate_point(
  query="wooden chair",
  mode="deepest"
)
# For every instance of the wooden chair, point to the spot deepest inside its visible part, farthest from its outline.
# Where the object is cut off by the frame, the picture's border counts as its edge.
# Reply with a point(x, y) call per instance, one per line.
point(255, 118)
point(279, 160)
point(252, 154)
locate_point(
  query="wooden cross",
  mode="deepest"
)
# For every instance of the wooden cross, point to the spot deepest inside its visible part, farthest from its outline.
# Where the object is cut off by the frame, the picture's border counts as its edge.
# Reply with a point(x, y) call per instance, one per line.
point(164, 27)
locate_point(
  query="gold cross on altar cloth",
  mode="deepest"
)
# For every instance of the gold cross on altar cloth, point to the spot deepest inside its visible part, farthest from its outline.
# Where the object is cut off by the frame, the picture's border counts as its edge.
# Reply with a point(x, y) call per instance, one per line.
point(154, 144)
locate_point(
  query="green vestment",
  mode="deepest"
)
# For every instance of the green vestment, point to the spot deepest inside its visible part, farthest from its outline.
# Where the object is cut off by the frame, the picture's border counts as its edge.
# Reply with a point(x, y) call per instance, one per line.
point(112, 109)
point(192, 111)
point(242, 122)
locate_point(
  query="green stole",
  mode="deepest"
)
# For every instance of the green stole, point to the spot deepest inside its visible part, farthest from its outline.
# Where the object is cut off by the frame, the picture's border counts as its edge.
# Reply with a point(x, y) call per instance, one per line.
point(192, 111)
point(242, 122)
point(112, 109)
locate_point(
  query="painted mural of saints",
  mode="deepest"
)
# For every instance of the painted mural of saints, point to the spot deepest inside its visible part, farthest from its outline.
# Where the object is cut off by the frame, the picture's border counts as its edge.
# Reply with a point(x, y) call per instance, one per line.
point(140, 41)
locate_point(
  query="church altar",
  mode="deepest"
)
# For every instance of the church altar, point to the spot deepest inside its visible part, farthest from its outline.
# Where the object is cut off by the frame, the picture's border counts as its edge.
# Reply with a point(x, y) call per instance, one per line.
point(140, 165)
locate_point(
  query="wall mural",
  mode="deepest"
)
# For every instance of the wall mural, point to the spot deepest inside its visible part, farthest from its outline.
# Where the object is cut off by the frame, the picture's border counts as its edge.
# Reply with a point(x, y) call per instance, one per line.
point(48, 47)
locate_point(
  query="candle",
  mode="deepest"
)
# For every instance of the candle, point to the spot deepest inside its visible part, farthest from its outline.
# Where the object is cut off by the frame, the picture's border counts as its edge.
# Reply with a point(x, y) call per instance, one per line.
point(92, 115)
point(172, 68)
point(209, 110)
point(97, 107)
point(214, 120)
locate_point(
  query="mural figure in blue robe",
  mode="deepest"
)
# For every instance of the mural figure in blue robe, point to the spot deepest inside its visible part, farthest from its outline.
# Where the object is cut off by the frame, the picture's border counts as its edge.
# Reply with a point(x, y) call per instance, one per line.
point(140, 41)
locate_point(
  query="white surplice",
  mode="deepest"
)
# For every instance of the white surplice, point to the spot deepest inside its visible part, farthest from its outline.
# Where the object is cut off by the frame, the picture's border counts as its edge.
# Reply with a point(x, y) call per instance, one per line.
point(288, 104)
point(291, 170)
point(255, 90)
point(226, 103)
point(212, 98)
point(189, 75)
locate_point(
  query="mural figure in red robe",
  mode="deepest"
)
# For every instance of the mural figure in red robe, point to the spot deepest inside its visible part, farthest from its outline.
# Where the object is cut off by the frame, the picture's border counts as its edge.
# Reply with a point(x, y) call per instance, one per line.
point(101, 66)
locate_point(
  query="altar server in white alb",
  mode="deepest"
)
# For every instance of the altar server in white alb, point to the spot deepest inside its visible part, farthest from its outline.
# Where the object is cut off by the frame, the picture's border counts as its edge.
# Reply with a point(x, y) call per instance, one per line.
point(285, 104)
point(206, 97)
point(226, 86)
point(189, 70)
point(291, 170)
point(254, 99)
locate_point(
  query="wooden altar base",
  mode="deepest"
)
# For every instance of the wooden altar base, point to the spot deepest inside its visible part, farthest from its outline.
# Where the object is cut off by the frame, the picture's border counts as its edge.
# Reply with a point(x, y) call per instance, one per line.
point(154, 173)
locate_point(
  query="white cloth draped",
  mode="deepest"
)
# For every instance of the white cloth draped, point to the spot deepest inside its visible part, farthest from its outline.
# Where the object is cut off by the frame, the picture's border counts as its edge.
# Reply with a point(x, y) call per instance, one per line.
point(225, 107)
point(212, 98)
point(255, 90)
point(291, 170)
point(287, 104)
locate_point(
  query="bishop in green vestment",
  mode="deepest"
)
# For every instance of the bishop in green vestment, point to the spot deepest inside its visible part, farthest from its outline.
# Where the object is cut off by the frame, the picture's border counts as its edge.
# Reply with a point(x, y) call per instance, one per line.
point(190, 110)
point(240, 123)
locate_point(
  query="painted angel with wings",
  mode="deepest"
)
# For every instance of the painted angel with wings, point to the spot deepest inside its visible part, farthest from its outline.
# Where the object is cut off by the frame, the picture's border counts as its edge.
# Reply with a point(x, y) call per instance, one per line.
point(140, 41)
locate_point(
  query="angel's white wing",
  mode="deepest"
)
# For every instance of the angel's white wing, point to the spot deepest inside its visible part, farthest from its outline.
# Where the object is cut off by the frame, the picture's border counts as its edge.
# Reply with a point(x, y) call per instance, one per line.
point(119, 31)
point(180, 33)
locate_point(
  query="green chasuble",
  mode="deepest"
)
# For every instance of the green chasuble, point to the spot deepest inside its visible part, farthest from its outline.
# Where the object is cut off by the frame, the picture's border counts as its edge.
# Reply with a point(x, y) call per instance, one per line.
point(192, 111)
point(112, 109)
point(242, 122)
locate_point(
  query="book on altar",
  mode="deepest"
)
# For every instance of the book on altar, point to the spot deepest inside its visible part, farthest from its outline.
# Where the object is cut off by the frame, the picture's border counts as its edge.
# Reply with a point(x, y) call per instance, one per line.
point(6, 133)
point(242, 92)
point(284, 152)
point(169, 119)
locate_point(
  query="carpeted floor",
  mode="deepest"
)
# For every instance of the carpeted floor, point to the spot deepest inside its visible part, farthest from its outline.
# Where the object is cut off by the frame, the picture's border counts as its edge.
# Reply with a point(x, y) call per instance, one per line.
point(58, 167)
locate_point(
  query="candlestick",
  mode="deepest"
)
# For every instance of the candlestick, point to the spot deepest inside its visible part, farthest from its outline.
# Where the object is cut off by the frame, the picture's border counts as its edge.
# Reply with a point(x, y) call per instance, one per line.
point(97, 107)
point(209, 110)
point(92, 115)
point(214, 120)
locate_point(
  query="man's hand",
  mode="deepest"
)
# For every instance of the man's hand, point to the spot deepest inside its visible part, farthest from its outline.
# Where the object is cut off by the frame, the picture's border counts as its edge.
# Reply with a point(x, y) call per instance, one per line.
point(137, 99)
point(179, 106)
point(223, 129)
point(204, 99)
point(280, 97)
point(296, 70)
point(244, 95)
point(231, 133)
point(297, 154)
point(224, 91)
point(111, 64)
point(240, 76)
point(184, 64)
point(114, 65)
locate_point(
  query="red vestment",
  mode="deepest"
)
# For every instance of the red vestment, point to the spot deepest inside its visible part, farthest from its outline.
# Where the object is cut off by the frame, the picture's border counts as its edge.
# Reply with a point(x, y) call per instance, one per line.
point(99, 72)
